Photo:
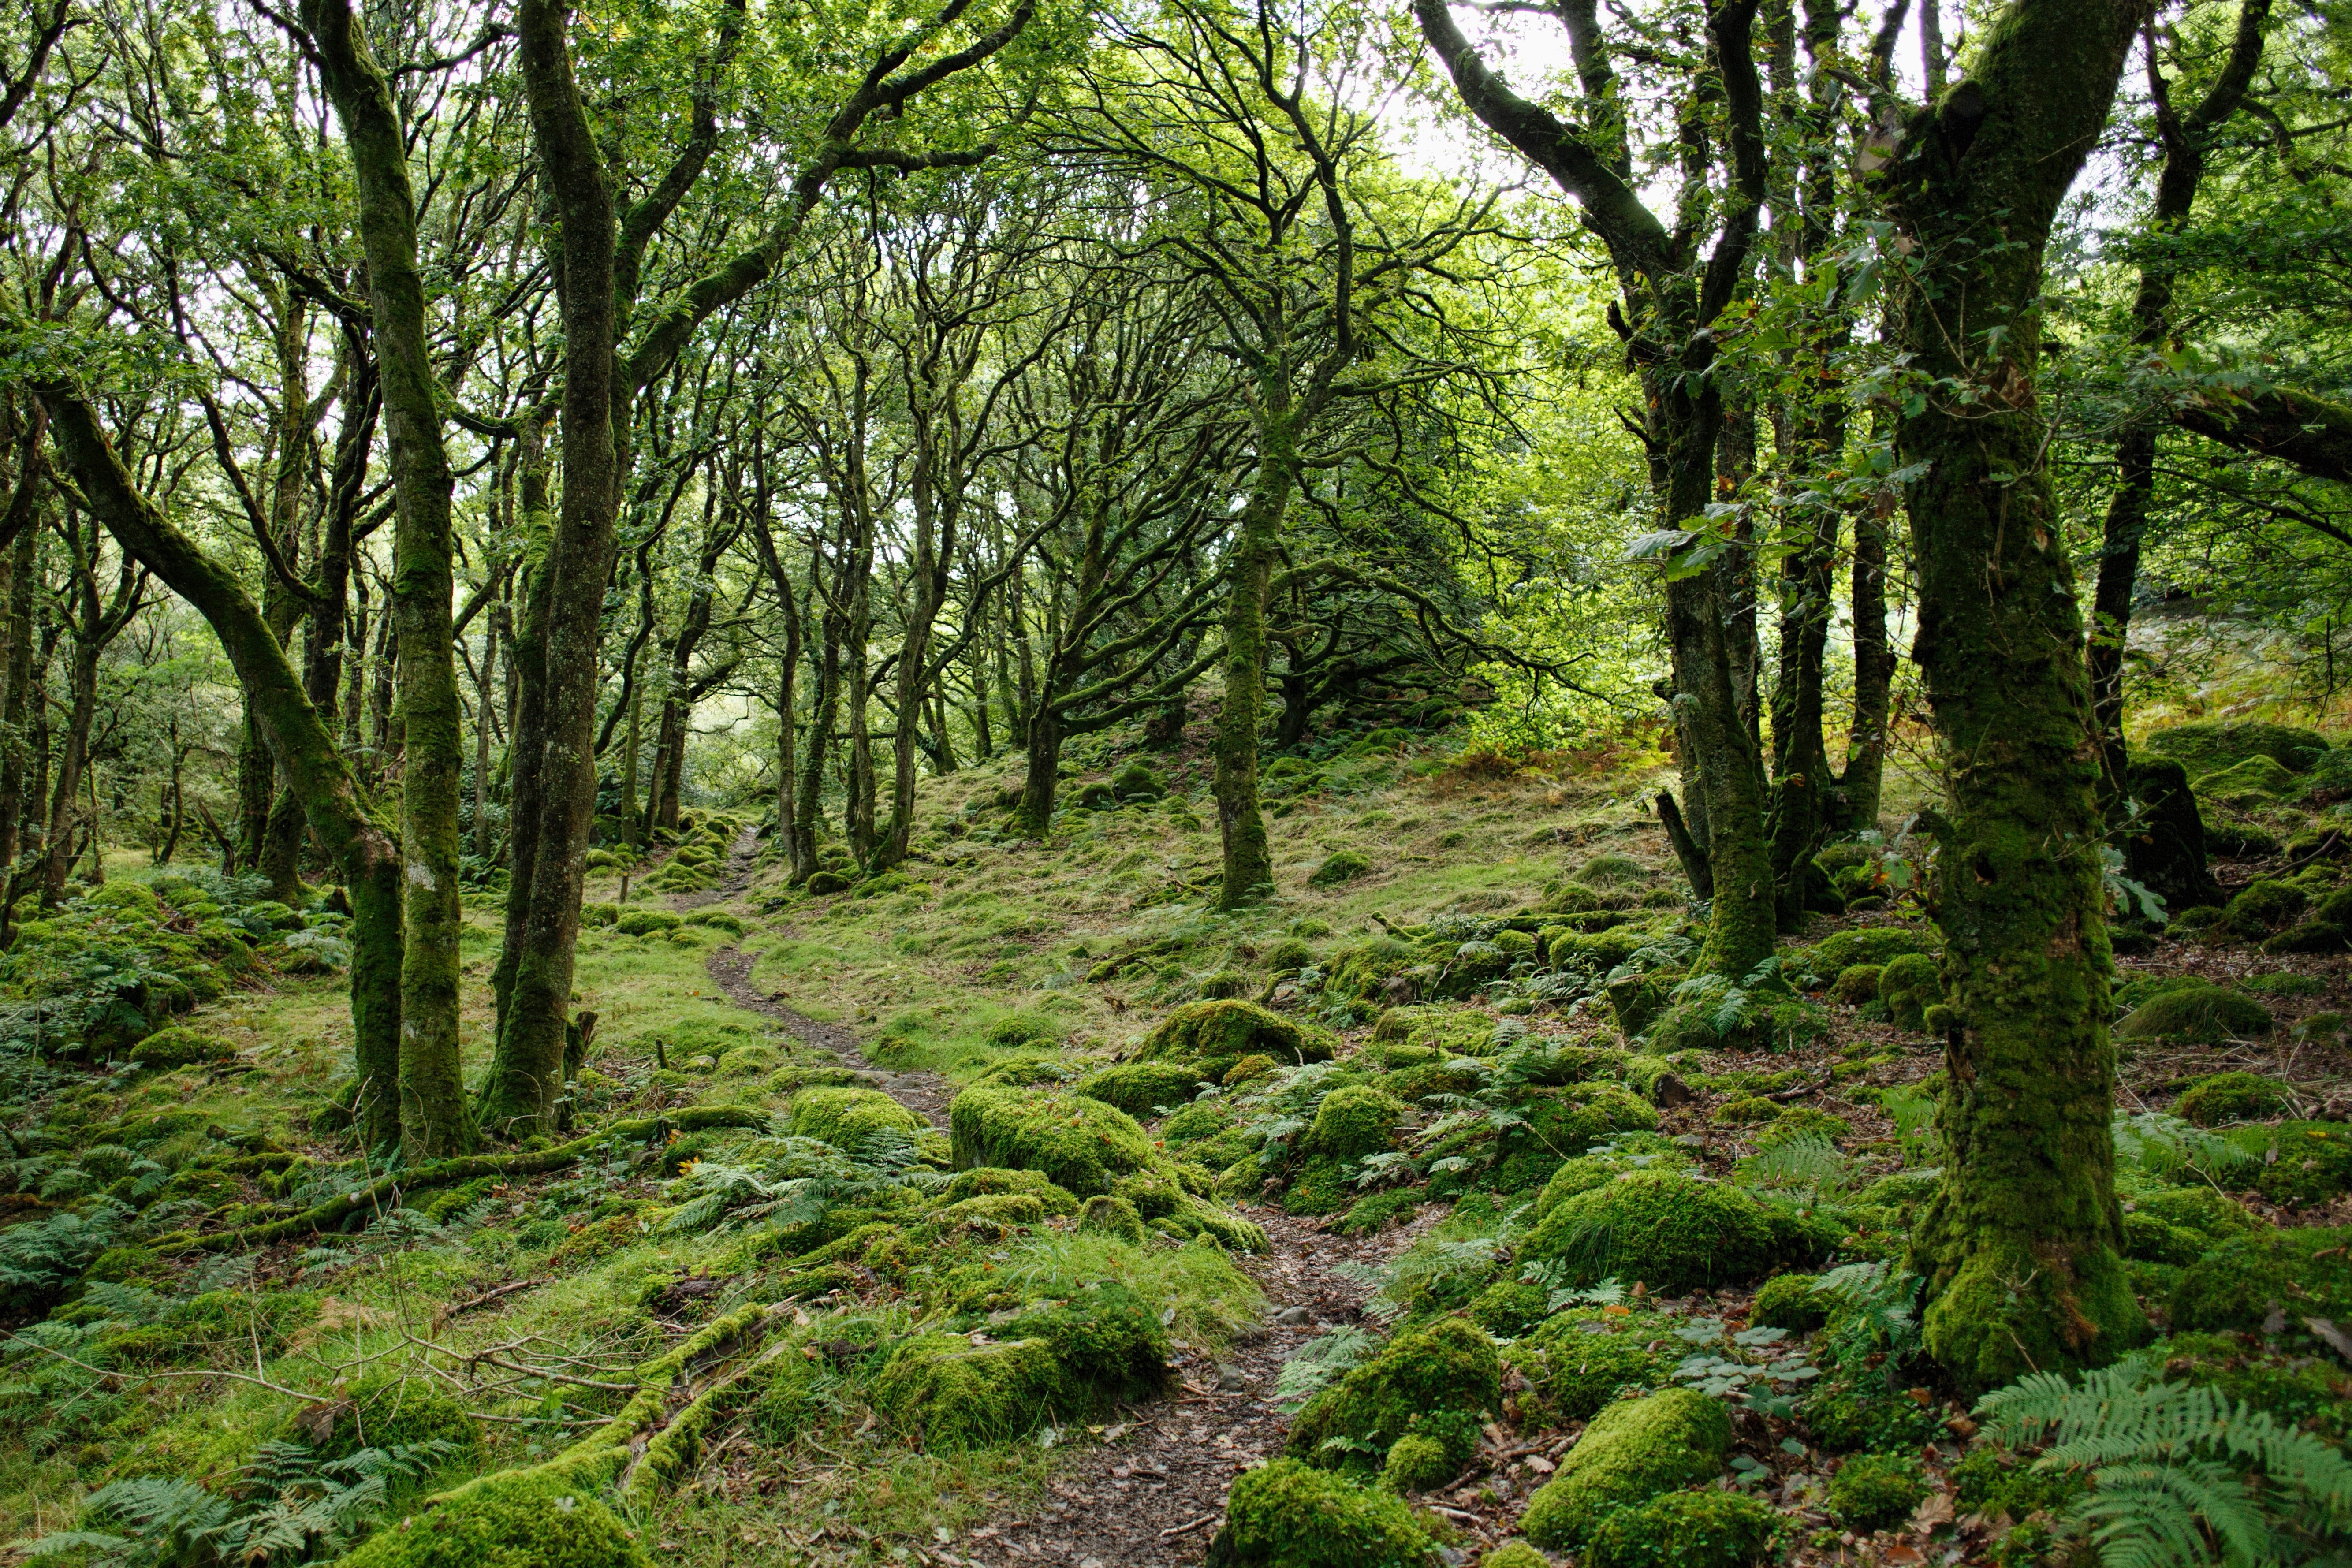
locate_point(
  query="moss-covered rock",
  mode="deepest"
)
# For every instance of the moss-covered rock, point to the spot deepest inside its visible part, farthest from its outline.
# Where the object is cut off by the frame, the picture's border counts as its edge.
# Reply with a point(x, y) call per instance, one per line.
point(1345, 866)
point(2207, 748)
point(1142, 1089)
point(2261, 907)
point(1704, 1529)
point(2248, 784)
point(1509, 1307)
point(1672, 1233)
point(2199, 1013)
point(181, 1047)
point(1112, 1216)
point(1448, 1367)
point(1214, 1035)
point(1352, 1121)
point(1857, 984)
point(846, 1117)
point(515, 1519)
point(1909, 984)
point(2303, 1163)
point(1789, 1301)
point(1080, 1144)
point(2299, 1390)
point(2182, 1224)
point(2232, 1096)
point(1290, 1515)
point(1833, 955)
point(1876, 1492)
point(1416, 1463)
point(637, 921)
point(949, 1392)
point(1632, 1452)
point(1581, 1361)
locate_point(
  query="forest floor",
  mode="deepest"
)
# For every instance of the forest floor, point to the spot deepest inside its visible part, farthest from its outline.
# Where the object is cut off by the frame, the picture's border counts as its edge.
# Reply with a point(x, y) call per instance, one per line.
point(527, 1301)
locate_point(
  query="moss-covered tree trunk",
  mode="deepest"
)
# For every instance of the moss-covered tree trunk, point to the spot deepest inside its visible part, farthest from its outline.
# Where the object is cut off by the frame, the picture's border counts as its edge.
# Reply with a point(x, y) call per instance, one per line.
point(23, 569)
point(1863, 779)
point(358, 841)
point(1248, 858)
point(2019, 1241)
point(434, 1119)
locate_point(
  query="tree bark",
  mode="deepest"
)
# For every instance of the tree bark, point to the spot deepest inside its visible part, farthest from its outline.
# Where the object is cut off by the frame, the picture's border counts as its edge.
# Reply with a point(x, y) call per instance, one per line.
point(2020, 1240)
point(434, 1116)
point(360, 842)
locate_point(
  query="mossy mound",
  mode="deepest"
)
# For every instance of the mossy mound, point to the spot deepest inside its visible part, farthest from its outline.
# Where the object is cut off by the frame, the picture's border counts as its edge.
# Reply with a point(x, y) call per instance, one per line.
point(2303, 1163)
point(1415, 1464)
point(846, 1118)
point(2232, 1096)
point(1066, 1360)
point(1346, 866)
point(1672, 1233)
point(2249, 785)
point(2298, 1390)
point(388, 1411)
point(2262, 906)
point(1112, 1216)
point(180, 1047)
point(1856, 984)
point(1876, 1492)
point(1910, 985)
point(1706, 1529)
point(635, 922)
point(1789, 1301)
point(1353, 1120)
point(1580, 1362)
point(1142, 1089)
point(1864, 1413)
point(2302, 1272)
point(1290, 1515)
point(1449, 1368)
point(2199, 1013)
point(1214, 1035)
point(2207, 748)
point(1081, 1144)
point(1633, 1452)
point(516, 1519)
point(2182, 1224)
point(1833, 955)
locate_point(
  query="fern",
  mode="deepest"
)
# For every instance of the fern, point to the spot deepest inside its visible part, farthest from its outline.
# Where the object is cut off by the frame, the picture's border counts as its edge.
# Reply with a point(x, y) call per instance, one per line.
point(2180, 1474)
point(1320, 1362)
point(1882, 1316)
point(2165, 1145)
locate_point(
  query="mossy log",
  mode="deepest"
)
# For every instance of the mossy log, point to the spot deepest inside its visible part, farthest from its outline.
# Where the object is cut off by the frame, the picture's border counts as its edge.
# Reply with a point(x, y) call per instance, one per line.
point(330, 1214)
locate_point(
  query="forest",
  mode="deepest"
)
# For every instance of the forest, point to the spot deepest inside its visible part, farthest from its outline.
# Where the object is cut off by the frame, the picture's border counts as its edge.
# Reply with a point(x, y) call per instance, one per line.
point(1285, 784)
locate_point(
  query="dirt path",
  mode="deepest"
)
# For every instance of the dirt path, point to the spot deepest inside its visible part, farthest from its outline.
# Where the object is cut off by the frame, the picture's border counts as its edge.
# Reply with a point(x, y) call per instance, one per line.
point(1151, 1491)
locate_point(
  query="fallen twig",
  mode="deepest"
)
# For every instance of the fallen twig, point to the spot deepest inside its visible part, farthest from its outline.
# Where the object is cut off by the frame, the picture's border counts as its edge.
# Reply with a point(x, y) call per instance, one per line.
point(1187, 1529)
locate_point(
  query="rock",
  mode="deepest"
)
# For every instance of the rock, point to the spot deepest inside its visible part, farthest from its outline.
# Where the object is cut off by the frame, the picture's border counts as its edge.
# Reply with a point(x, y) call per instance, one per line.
point(1231, 1379)
point(2164, 851)
point(1294, 1317)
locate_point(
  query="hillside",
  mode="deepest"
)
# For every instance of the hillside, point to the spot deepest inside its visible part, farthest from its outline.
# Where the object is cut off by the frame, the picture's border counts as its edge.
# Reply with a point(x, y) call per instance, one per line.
point(1415, 1162)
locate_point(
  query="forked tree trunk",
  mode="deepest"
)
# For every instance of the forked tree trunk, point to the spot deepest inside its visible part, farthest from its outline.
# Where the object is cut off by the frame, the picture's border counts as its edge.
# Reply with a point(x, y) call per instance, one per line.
point(2020, 1242)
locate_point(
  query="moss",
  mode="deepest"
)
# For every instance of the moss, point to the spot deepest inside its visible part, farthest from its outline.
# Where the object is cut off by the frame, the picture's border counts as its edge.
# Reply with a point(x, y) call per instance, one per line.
point(1747, 1109)
point(180, 1047)
point(2305, 1164)
point(516, 1519)
point(2200, 1014)
point(1631, 1453)
point(949, 1392)
point(1353, 1120)
point(1857, 984)
point(1909, 985)
point(1112, 1216)
point(1320, 1185)
point(1344, 867)
point(1448, 1366)
point(845, 1117)
point(2261, 907)
point(1141, 1088)
point(2232, 1096)
point(1106, 1339)
point(1846, 1414)
point(1833, 955)
point(1580, 1362)
point(1289, 1515)
point(2298, 1390)
point(2207, 748)
point(1992, 1481)
point(2182, 1224)
point(1415, 1464)
point(1217, 1034)
point(1080, 1144)
point(2302, 1271)
point(387, 1410)
point(1367, 1215)
point(986, 1180)
point(1515, 1555)
point(1876, 1491)
point(1509, 1307)
point(1797, 1123)
point(993, 1216)
point(823, 884)
point(1787, 1301)
point(1709, 1528)
point(1248, 1070)
point(640, 922)
point(1986, 1330)
point(2249, 785)
point(716, 919)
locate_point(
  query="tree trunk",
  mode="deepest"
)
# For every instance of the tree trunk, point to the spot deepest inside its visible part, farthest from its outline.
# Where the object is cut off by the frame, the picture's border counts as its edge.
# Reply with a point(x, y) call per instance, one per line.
point(823, 714)
point(1863, 781)
point(434, 1116)
point(81, 688)
point(485, 701)
point(24, 569)
point(1042, 773)
point(2020, 1240)
point(360, 843)
point(1248, 860)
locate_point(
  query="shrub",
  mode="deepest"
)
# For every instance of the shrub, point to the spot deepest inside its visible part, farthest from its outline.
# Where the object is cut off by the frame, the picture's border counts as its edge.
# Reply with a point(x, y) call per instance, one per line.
point(1710, 1528)
point(1672, 1233)
point(2232, 1096)
point(1631, 1453)
point(515, 1519)
point(1876, 1492)
point(1343, 866)
point(1289, 1515)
